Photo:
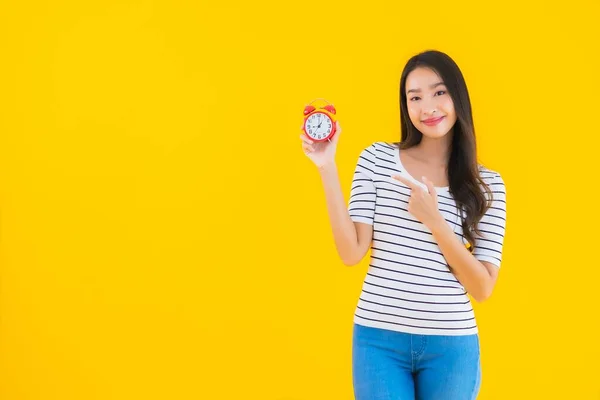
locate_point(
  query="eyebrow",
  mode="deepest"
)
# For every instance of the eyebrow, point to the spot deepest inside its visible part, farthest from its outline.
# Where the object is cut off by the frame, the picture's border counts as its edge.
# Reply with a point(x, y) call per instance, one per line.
point(432, 87)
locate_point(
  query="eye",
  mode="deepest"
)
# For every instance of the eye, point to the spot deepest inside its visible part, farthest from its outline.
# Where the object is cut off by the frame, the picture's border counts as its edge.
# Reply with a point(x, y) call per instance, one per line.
point(414, 98)
point(440, 92)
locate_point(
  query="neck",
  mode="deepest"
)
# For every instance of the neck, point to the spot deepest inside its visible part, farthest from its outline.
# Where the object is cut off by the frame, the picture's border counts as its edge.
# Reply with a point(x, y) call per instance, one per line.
point(435, 150)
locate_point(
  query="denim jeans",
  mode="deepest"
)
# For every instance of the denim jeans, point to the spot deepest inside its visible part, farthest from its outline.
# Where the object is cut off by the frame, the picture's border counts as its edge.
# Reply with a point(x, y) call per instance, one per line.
point(389, 365)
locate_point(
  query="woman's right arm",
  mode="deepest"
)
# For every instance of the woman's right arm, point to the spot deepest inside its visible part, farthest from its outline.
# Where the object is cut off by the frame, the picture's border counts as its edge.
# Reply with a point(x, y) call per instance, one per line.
point(352, 239)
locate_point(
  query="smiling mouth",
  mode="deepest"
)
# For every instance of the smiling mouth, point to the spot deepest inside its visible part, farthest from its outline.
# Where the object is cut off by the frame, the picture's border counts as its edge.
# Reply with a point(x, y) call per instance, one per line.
point(433, 121)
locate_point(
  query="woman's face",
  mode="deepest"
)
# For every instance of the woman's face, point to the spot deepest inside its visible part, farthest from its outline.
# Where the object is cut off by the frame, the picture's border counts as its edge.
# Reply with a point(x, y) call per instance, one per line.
point(429, 104)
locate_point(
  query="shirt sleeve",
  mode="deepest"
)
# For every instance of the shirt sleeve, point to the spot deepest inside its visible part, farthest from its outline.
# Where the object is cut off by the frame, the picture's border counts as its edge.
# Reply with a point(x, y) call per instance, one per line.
point(492, 225)
point(361, 205)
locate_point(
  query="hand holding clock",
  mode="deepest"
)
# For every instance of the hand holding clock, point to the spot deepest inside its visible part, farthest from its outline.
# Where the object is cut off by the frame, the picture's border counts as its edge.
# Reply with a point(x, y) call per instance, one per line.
point(321, 153)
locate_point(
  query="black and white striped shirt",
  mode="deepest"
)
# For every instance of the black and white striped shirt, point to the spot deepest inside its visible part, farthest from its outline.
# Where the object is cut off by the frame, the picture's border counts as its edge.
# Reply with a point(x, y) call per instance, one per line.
point(408, 286)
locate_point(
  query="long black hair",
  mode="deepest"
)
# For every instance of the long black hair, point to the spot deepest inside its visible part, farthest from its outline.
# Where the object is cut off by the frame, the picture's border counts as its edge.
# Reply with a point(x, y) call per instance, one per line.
point(463, 169)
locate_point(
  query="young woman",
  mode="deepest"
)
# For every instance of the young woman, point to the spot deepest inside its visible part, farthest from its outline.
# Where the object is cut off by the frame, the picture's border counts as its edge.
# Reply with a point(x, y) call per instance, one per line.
point(434, 220)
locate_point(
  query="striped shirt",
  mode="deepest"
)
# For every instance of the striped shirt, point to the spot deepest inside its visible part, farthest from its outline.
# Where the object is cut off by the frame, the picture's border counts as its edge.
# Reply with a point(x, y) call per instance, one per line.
point(408, 286)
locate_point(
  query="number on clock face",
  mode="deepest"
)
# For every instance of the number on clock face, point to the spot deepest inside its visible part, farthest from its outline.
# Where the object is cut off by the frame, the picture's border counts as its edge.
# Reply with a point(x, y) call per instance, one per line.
point(318, 126)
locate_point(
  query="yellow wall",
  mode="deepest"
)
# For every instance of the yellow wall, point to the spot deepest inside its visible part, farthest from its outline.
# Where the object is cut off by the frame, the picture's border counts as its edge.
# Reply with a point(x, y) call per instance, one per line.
point(163, 236)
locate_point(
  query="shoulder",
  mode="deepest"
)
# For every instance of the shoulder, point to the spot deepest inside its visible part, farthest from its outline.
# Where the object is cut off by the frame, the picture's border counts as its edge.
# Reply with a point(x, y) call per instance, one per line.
point(375, 156)
point(376, 151)
point(494, 180)
point(490, 176)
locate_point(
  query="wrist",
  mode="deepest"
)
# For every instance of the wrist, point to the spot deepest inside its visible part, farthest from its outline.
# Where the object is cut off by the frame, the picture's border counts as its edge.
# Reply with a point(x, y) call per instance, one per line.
point(327, 168)
point(439, 225)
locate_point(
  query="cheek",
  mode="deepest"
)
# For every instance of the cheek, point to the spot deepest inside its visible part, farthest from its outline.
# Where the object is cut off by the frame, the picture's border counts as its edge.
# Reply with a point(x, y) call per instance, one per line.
point(448, 106)
point(414, 112)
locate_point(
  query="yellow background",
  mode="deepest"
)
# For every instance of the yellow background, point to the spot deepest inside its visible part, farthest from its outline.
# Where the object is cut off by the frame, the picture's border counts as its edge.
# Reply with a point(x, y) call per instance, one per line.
point(164, 237)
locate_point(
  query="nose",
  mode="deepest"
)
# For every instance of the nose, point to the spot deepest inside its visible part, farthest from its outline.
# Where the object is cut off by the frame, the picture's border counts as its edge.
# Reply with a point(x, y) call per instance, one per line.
point(430, 108)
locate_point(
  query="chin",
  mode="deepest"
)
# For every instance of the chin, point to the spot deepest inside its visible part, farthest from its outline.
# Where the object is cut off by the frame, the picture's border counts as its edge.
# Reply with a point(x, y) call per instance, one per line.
point(434, 133)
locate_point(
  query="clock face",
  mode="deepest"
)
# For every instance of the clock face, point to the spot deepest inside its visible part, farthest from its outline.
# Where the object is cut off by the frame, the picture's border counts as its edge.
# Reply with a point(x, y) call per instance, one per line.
point(318, 126)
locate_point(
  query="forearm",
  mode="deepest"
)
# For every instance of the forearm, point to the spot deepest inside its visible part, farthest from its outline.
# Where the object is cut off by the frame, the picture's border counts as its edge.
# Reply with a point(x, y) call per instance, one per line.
point(343, 228)
point(469, 271)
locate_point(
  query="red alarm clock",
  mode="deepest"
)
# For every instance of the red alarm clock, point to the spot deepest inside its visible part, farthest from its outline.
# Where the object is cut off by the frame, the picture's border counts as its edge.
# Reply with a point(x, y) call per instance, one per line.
point(319, 122)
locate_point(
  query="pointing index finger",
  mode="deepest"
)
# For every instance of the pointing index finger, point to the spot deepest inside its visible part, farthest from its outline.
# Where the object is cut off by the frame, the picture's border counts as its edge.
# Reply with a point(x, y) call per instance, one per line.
point(409, 182)
point(404, 180)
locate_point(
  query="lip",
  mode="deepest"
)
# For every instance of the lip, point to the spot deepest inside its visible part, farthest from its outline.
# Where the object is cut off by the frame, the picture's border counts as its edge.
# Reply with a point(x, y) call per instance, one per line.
point(433, 121)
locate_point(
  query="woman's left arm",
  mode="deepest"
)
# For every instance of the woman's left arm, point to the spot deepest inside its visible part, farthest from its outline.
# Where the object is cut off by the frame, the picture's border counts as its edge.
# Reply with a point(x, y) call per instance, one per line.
point(477, 277)
point(477, 273)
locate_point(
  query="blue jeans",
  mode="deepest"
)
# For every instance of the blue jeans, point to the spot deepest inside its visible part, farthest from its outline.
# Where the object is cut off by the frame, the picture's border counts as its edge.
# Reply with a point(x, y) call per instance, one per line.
point(388, 365)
